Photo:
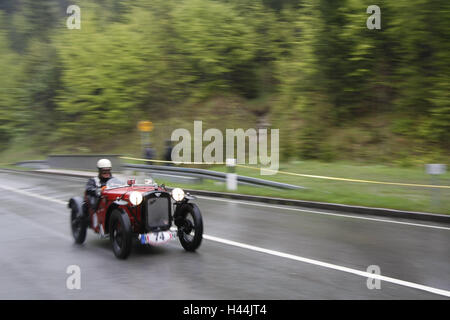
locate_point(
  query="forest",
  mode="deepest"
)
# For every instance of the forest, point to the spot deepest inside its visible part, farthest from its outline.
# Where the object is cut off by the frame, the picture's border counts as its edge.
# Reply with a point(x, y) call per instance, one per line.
point(312, 68)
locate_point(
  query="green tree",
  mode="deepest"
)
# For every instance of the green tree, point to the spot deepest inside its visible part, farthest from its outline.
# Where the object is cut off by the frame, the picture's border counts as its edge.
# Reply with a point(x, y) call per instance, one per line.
point(215, 42)
point(104, 80)
point(422, 72)
point(8, 89)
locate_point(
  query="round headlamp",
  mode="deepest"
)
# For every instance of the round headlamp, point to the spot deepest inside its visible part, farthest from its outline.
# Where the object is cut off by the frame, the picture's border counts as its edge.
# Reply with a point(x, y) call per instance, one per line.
point(177, 194)
point(135, 198)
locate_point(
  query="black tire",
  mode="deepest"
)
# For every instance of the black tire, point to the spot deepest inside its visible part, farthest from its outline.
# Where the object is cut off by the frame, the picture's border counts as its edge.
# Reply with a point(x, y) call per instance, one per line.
point(120, 234)
point(190, 226)
point(78, 221)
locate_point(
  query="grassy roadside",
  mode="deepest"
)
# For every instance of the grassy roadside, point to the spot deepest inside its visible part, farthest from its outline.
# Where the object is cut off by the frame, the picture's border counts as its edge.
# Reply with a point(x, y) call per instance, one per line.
point(371, 195)
point(19, 150)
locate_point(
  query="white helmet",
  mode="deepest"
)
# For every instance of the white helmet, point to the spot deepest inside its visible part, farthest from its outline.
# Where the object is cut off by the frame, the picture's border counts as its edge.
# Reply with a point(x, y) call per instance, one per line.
point(104, 163)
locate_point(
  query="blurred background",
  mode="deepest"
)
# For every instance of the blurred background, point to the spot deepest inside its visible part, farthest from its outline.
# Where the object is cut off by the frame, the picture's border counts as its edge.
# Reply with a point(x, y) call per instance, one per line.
point(348, 101)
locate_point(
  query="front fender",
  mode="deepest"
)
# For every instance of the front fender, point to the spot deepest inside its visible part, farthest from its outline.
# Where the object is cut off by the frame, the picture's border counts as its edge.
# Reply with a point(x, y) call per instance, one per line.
point(180, 210)
point(189, 196)
point(76, 203)
point(115, 205)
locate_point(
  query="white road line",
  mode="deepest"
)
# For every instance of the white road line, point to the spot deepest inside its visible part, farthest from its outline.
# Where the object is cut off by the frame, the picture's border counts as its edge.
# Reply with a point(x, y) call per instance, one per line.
point(324, 213)
point(330, 266)
point(28, 193)
point(287, 208)
point(35, 174)
point(43, 228)
point(287, 255)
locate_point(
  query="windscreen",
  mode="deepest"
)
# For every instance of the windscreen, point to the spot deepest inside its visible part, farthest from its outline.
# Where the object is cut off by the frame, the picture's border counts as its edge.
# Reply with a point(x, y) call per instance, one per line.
point(115, 183)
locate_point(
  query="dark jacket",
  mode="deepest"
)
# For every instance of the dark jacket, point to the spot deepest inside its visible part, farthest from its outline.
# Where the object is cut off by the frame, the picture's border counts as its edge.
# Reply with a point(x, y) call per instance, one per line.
point(94, 184)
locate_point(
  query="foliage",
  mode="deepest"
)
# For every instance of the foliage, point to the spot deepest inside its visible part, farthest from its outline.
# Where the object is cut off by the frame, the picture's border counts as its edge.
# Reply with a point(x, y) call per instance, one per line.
point(312, 67)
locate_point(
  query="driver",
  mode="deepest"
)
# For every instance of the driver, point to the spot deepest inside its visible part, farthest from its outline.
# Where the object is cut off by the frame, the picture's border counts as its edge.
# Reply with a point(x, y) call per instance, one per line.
point(94, 185)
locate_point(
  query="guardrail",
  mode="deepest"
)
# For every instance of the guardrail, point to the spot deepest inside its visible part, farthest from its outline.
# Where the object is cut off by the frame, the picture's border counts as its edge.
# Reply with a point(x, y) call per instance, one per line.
point(209, 174)
point(307, 175)
point(35, 164)
point(88, 163)
point(81, 162)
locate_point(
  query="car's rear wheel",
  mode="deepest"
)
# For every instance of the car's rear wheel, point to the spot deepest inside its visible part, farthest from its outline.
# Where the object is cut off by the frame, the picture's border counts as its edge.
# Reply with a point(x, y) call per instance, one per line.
point(78, 222)
point(190, 226)
point(120, 234)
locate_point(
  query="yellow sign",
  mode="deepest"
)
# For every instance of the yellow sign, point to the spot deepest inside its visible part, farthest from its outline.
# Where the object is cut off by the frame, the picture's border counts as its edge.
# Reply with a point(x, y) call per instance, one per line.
point(145, 126)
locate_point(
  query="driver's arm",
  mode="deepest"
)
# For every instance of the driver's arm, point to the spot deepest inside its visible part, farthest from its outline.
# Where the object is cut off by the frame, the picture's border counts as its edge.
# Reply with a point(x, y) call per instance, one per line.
point(91, 188)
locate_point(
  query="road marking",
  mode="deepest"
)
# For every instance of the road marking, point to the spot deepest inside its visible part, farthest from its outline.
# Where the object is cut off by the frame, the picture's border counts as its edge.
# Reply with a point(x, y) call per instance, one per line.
point(44, 228)
point(329, 265)
point(40, 175)
point(286, 255)
point(28, 193)
point(324, 213)
point(279, 207)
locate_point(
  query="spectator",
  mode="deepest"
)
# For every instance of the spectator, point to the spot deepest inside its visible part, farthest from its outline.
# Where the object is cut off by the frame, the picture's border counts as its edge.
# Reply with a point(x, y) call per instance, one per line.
point(149, 153)
point(168, 152)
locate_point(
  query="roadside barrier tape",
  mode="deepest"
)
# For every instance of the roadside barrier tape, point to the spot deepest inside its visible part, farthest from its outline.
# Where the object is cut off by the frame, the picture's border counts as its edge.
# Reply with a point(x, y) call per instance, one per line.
point(168, 161)
point(348, 180)
point(303, 175)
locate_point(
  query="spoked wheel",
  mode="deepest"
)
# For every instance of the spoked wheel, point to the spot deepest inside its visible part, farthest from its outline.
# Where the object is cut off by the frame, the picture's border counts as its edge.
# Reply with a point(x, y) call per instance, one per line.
point(190, 227)
point(120, 234)
point(78, 223)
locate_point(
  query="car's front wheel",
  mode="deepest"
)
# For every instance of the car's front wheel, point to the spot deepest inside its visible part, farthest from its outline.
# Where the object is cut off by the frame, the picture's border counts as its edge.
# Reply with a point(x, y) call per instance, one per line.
point(190, 226)
point(120, 234)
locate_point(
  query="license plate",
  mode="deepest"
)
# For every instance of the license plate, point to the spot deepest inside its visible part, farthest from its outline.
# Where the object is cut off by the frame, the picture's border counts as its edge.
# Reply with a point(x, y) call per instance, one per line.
point(156, 238)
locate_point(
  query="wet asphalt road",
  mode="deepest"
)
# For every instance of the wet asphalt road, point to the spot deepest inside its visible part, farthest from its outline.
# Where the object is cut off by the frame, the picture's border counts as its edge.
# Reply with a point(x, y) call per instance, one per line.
point(36, 247)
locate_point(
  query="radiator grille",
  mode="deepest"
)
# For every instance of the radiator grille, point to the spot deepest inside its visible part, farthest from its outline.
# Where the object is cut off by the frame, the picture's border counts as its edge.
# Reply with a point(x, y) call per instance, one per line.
point(158, 212)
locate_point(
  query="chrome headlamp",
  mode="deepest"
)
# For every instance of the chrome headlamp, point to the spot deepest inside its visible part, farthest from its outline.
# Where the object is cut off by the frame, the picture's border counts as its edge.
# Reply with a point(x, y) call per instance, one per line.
point(177, 194)
point(136, 198)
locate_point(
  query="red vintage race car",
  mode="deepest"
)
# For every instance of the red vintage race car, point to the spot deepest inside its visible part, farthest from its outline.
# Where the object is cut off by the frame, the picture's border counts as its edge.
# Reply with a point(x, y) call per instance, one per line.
point(145, 212)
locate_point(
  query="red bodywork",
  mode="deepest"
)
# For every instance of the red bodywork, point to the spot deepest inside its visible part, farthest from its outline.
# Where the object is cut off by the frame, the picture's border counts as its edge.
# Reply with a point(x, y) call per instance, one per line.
point(106, 203)
point(150, 221)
